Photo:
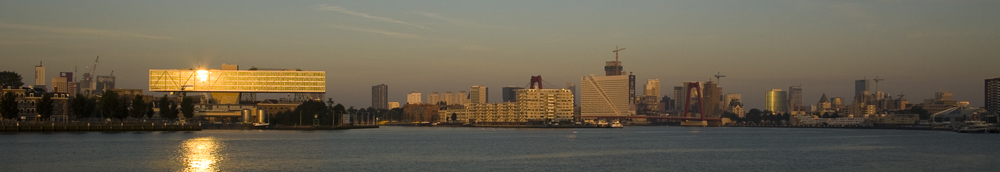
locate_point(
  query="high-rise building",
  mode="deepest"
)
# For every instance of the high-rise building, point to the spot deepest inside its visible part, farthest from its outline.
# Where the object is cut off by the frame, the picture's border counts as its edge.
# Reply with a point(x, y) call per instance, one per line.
point(39, 76)
point(837, 103)
point(461, 97)
point(449, 98)
point(860, 86)
point(776, 101)
point(729, 98)
point(479, 94)
point(992, 98)
point(414, 98)
point(613, 68)
point(510, 93)
point(604, 96)
point(105, 83)
point(678, 94)
point(380, 97)
point(795, 99)
point(434, 98)
point(710, 100)
point(392, 105)
point(652, 88)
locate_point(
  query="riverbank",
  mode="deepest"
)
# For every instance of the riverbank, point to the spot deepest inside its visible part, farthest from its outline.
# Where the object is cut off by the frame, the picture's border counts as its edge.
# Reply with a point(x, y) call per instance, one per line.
point(102, 128)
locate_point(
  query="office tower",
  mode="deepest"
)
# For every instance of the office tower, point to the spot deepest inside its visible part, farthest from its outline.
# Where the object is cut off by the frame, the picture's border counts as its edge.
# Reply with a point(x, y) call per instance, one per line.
point(39, 76)
point(776, 101)
point(380, 96)
point(729, 98)
point(604, 96)
point(434, 98)
point(104, 83)
point(667, 104)
point(461, 98)
point(710, 100)
point(613, 68)
point(836, 103)
point(992, 98)
point(414, 98)
point(860, 86)
point(545, 104)
point(449, 98)
point(795, 98)
point(510, 93)
point(678, 94)
point(479, 94)
point(652, 88)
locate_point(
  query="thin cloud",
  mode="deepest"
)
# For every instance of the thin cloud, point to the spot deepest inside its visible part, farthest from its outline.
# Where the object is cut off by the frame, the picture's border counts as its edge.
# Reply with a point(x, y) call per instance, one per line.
point(439, 17)
point(366, 15)
point(81, 31)
point(382, 32)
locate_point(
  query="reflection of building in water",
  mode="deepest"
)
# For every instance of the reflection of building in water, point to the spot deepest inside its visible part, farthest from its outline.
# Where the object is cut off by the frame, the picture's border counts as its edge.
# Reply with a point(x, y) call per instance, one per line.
point(201, 154)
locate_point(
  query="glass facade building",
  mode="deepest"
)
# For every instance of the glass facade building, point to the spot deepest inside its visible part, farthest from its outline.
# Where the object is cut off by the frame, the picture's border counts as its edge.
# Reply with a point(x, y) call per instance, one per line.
point(214, 80)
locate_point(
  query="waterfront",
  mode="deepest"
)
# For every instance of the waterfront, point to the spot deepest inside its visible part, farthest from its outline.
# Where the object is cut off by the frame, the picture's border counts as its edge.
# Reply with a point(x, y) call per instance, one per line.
point(654, 148)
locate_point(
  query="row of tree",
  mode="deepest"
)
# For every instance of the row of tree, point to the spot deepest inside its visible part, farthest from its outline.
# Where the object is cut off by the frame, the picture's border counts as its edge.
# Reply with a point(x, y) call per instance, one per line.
point(759, 117)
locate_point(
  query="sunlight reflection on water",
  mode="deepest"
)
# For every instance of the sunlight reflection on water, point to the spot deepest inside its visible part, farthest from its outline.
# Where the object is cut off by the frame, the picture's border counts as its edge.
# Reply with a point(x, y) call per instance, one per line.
point(201, 154)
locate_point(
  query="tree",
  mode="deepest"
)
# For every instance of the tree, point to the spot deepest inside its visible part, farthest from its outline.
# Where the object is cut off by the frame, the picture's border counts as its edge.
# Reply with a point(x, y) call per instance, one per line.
point(170, 112)
point(44, 106)
point(149, 110)
point(109, 104)
point(454, 117)
point(138, 107)
point(187, 107)
point(9, 105)
point(10, 79)
point(338, 114)
point(83, 106)
point(122, 111)
point(921, 111)
point(164, 106)
point(754, 115)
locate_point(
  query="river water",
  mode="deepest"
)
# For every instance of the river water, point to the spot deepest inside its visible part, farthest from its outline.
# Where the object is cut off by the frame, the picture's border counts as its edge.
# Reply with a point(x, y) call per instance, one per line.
point(658, 148)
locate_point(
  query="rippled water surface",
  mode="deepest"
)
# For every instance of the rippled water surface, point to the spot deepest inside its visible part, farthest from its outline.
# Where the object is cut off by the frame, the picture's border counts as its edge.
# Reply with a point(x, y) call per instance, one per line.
point(502, 149)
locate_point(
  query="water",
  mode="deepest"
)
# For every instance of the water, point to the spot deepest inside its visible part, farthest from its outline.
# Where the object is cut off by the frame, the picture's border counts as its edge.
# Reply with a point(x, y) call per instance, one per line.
point(502, 149)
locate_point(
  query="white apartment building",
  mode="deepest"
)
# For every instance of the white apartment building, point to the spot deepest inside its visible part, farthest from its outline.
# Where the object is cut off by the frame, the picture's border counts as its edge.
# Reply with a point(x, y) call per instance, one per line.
point(545, 104)
point(414, 98)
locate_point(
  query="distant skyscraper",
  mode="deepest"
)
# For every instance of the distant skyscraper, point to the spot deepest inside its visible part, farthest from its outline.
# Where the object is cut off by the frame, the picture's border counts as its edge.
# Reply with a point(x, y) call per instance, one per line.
point(449, 98)
point(604, 96)
point(992, 95)
point(613, 68)
point(776, 101)
point(510, 93)
point(728, 98)
point(40, 76)
point(795, 98)
point(836, 103)
point(632, 99)
point(860, 86)
point(105, 83)
point(414, 98)
point(678, 94)
point(434, 98)
point(479, 94)
point(652, 88)
point(710, 100)
point(461, 98)
point(380, 97)
point(576, 93)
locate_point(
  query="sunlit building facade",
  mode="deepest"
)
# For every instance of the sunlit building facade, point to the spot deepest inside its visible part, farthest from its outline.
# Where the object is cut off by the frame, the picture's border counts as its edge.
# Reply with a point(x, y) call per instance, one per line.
point(604, 96)
point(215, 80)
point(776, 101)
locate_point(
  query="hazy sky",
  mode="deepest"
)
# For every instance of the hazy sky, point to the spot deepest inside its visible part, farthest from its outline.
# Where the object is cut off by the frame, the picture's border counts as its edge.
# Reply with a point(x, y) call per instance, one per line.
point(919, 47)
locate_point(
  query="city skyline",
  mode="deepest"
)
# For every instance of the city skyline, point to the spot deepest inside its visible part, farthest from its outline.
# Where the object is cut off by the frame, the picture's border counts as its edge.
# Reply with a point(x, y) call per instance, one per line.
point(425, 47)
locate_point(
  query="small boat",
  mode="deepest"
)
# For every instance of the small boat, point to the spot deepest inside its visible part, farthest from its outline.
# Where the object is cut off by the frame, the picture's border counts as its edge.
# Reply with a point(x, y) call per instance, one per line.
point(261, 124)
point(973, 127)
point(617, 124)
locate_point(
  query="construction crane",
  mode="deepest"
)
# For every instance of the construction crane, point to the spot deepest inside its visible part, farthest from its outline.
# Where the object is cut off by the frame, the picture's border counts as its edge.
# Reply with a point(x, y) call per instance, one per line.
point(616, 52)
point(94, 69)
point(718, 77)
point(876, 83)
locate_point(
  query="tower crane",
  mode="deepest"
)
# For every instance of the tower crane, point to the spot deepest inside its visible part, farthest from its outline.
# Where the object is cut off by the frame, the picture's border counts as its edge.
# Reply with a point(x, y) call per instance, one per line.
point(94, 69)
point(718, 77)
point(876, 83)
point(616, 52)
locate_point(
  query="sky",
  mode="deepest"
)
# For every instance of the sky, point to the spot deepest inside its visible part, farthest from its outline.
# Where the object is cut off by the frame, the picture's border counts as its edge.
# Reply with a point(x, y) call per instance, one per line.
point(918, 47)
